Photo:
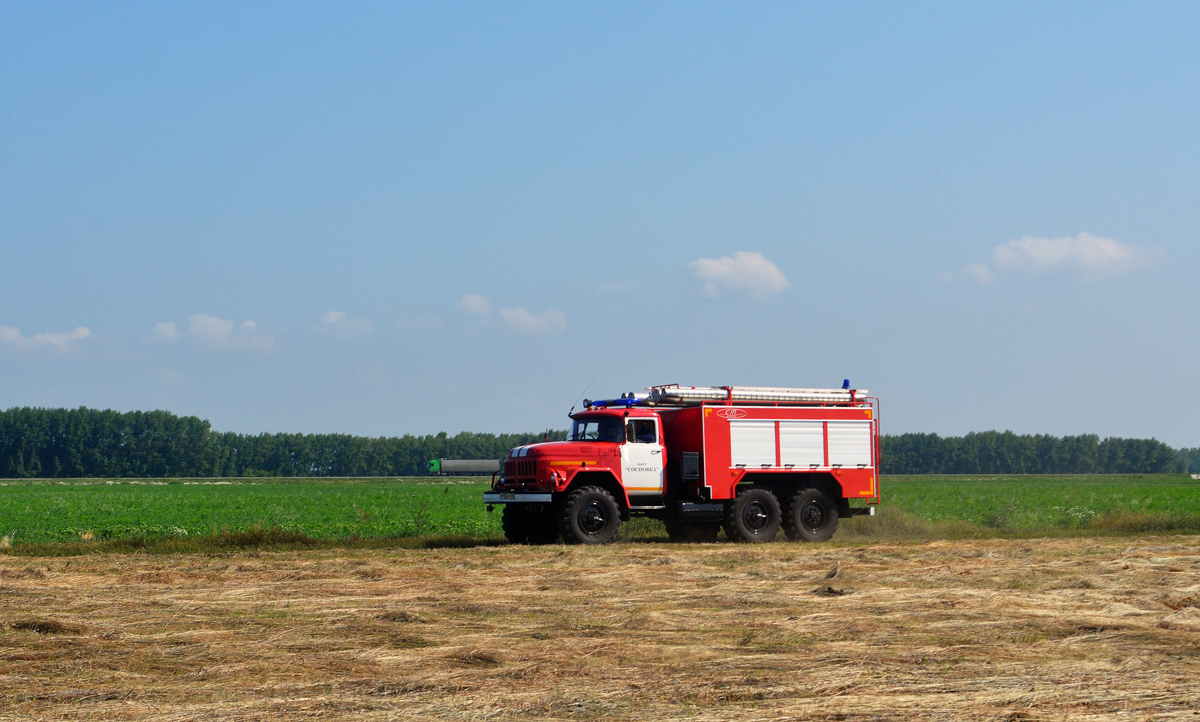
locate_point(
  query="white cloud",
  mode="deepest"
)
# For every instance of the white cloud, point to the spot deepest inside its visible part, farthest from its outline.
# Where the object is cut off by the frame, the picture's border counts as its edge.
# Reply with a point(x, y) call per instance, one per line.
point(60, 341)
point(339, 324)
point(210, 328)
point(979, 272)
point(166, 331)
point(474, 304)
point(1087, 255)
point(747, 272)
point(217, 334)
point(518, 319)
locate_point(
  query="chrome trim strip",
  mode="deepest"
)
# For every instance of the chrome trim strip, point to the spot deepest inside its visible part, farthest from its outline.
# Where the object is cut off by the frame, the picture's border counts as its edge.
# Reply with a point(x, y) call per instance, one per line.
point(515, 497)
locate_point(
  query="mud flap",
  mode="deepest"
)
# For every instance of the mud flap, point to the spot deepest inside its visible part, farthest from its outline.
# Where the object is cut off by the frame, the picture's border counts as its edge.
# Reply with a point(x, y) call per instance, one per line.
point(845, 511)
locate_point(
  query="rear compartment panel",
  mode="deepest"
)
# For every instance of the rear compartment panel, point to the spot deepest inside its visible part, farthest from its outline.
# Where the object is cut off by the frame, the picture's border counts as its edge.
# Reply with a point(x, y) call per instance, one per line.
point(736, 440)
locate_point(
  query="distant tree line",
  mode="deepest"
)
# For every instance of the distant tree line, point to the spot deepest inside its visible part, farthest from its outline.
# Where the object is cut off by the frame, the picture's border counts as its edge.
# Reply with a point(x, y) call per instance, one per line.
point(147, 444)
point(993, 452)
point(1189, 460)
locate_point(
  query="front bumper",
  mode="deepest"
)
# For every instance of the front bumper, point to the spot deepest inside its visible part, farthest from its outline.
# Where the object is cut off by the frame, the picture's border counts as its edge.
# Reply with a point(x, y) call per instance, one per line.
point(517, 497)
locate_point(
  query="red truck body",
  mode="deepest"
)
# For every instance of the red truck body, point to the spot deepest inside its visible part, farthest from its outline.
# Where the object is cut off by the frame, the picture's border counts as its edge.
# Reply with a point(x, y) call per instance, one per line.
point(779, 440)
point(688, 461)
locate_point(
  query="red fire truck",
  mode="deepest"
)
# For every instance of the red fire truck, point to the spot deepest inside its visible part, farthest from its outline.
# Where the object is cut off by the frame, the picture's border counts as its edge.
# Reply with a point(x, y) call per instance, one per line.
point(746, 459)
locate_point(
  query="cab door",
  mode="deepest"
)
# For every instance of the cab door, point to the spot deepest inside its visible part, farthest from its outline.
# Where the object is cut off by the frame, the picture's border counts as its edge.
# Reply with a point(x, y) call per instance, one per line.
point(642, 457)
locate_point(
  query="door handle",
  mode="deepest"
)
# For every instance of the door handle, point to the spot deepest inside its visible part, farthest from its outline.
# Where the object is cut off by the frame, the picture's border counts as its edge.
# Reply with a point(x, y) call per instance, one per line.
point(656, 451)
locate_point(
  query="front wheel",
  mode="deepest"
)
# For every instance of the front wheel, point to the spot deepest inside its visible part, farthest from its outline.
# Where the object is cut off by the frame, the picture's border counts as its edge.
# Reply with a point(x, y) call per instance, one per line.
point(754, 516)
point(812, 516)
point(589, 515)
point(523, 526)
point(514, 520)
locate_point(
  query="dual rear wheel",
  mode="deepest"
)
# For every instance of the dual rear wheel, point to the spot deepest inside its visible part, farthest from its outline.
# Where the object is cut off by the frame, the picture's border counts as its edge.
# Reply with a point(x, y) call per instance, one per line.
point(812, 516)
point(756, 516)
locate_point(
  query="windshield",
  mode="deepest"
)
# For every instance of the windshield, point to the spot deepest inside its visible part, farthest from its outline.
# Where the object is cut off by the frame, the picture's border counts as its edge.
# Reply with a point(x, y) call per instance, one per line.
point(599, 428)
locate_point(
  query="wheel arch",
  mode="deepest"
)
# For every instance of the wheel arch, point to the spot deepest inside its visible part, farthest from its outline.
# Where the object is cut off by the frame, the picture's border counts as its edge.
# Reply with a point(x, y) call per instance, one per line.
point(784, 485)
point(605, 480)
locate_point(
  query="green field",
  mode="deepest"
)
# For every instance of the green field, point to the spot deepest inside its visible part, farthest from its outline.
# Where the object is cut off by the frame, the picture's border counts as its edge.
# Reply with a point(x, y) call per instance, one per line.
point(1041, 503)
point(55, 511)
point(93, 511)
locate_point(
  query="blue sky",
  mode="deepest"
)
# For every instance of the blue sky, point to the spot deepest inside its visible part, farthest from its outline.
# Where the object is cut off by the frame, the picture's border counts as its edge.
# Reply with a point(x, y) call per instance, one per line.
point(384, 219)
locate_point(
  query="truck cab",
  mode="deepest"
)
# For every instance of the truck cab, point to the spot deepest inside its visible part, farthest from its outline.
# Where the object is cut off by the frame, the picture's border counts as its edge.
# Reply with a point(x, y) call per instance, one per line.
point(619, 452)
point(745, 459)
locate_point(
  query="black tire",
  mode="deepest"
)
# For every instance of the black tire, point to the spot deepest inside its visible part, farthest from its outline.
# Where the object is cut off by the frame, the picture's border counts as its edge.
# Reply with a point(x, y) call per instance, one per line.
point(812, 516)
point(514, 520)
point(523, 526)
point(589, 515)
point(754, 516)
point(692, 532)
point(543, 530)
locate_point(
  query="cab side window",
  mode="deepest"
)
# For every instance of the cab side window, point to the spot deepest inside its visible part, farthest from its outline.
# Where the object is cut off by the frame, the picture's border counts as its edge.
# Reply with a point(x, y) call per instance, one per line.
point(641, 431)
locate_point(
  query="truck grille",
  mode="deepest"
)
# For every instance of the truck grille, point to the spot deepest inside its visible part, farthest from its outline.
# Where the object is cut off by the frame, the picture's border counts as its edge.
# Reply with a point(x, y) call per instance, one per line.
point(514, 470)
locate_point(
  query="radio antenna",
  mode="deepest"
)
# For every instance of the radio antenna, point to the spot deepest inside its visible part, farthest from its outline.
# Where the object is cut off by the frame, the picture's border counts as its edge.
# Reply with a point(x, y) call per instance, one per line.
point(589, 384)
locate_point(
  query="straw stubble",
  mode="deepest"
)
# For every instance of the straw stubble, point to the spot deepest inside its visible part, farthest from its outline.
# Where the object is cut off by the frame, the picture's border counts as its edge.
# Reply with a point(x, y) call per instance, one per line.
point(1064, 629)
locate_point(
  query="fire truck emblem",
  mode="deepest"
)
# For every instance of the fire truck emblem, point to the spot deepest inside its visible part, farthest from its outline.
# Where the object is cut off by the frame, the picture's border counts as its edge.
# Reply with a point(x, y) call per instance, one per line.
point(732, 413)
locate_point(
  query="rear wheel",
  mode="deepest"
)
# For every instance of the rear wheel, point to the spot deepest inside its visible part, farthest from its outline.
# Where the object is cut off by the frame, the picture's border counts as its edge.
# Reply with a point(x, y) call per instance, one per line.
point(692, 532)
point(589, 515)
point(754, 516)
point(812, 516)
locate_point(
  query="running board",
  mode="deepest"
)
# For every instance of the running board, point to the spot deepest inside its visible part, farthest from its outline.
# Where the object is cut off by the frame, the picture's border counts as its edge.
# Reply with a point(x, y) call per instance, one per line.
point(701, 511)
point(862, 511)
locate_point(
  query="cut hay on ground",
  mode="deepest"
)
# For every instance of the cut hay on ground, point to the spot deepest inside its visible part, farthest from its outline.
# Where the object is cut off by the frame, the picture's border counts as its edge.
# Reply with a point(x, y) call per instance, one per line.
point(1062, 629)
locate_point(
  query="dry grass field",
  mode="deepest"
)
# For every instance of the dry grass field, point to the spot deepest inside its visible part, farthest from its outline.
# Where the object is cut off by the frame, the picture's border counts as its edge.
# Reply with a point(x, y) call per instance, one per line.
point(999, 629)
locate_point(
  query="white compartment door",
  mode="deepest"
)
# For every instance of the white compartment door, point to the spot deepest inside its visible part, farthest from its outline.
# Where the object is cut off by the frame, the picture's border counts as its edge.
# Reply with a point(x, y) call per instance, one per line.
point(752, 443)
point(802, 444)
point(849, 443)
